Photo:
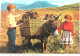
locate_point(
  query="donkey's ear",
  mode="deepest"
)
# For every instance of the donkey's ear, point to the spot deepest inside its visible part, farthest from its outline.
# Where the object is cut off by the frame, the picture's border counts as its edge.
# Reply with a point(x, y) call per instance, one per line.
point(56, 18)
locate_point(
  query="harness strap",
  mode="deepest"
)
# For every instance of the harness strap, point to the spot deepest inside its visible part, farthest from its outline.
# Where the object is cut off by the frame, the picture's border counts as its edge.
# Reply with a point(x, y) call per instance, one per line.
point(46, 30)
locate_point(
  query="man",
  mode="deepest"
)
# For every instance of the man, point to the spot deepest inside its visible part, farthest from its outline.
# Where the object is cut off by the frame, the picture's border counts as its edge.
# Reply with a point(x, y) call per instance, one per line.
point(11, 25)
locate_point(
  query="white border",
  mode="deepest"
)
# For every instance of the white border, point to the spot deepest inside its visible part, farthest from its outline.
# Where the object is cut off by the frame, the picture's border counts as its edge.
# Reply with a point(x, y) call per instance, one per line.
point(42, 54)
point(39, 55)
point(0, 16)
point(79, 28)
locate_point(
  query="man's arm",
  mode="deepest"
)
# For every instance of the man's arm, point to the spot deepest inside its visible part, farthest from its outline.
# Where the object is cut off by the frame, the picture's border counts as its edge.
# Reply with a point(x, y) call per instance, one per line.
point(11, 26)
point(20, 14)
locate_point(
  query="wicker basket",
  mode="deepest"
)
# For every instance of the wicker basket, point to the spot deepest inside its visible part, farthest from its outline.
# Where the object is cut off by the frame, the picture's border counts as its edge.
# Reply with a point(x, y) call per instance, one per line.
point(31, 27)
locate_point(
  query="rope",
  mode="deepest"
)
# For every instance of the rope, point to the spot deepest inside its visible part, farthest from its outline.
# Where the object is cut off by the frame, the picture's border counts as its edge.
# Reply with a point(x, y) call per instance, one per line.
point(46, 30)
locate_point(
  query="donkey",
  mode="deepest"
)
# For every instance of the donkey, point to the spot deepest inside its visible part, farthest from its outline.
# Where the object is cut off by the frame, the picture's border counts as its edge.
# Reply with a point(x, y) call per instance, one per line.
point(47, 16)
point(30, 14)
point(48, 28)
point(51, 16)
point(36, 15)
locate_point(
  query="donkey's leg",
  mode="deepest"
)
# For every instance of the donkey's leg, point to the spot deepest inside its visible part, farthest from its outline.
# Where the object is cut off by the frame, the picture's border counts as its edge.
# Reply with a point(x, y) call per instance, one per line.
point(24, 40)
point(42, 45)
point(46, 41)
point(24, 43)
point(29, 41)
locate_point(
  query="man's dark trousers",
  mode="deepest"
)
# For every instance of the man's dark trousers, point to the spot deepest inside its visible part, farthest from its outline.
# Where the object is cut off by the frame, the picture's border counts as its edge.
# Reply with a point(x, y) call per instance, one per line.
point(11, 40)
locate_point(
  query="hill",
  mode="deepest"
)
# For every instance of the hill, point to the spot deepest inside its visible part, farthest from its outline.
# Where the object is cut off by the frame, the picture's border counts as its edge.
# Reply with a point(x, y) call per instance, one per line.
point(38, 4)
point(71, 6)
point(76, 6)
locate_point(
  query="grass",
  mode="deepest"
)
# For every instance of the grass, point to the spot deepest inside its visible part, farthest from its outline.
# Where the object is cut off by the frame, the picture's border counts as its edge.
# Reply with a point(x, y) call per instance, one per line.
point(54, 47)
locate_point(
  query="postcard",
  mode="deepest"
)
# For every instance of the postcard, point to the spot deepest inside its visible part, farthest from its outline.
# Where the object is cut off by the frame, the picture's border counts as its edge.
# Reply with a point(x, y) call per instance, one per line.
point(39, 27)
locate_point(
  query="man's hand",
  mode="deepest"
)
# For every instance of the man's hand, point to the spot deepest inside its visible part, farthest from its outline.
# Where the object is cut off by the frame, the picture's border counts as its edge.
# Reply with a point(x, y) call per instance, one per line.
point(20, 24)
point(20, 14)
point(72, 37)
point(24, 13)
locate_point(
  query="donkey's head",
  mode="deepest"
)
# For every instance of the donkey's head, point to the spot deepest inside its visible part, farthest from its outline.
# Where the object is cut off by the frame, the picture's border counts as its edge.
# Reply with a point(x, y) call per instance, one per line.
point(53, 23)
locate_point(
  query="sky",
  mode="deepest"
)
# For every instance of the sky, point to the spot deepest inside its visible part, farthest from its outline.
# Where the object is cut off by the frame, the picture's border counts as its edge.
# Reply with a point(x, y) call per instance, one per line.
point(55, 2)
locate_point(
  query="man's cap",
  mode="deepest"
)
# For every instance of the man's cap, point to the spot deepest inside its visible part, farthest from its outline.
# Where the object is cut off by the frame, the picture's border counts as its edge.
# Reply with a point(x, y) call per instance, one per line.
point(11, 6)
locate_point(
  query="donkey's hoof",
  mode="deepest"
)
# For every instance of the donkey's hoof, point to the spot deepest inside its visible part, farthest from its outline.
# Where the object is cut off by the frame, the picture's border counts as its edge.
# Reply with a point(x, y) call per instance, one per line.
point(45, 52)
point(42, 51)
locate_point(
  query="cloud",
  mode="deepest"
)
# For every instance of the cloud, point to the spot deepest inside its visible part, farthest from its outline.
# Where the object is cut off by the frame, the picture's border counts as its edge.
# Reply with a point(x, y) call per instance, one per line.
point(10, 1)
point(29, 2)
point(62, 3)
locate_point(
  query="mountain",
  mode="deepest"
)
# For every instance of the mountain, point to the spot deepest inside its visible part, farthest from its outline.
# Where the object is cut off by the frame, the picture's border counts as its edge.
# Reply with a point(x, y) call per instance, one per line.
point(4, 5)
point(38, 4)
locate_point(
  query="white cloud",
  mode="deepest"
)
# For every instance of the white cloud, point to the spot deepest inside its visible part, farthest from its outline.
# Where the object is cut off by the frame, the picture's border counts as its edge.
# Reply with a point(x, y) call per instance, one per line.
point(10, 1)
point(29, 2)
point(62, 3)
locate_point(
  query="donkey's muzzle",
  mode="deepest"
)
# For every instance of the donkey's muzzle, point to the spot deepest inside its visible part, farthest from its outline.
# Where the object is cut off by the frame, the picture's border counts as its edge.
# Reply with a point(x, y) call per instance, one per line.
point(55, 33)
